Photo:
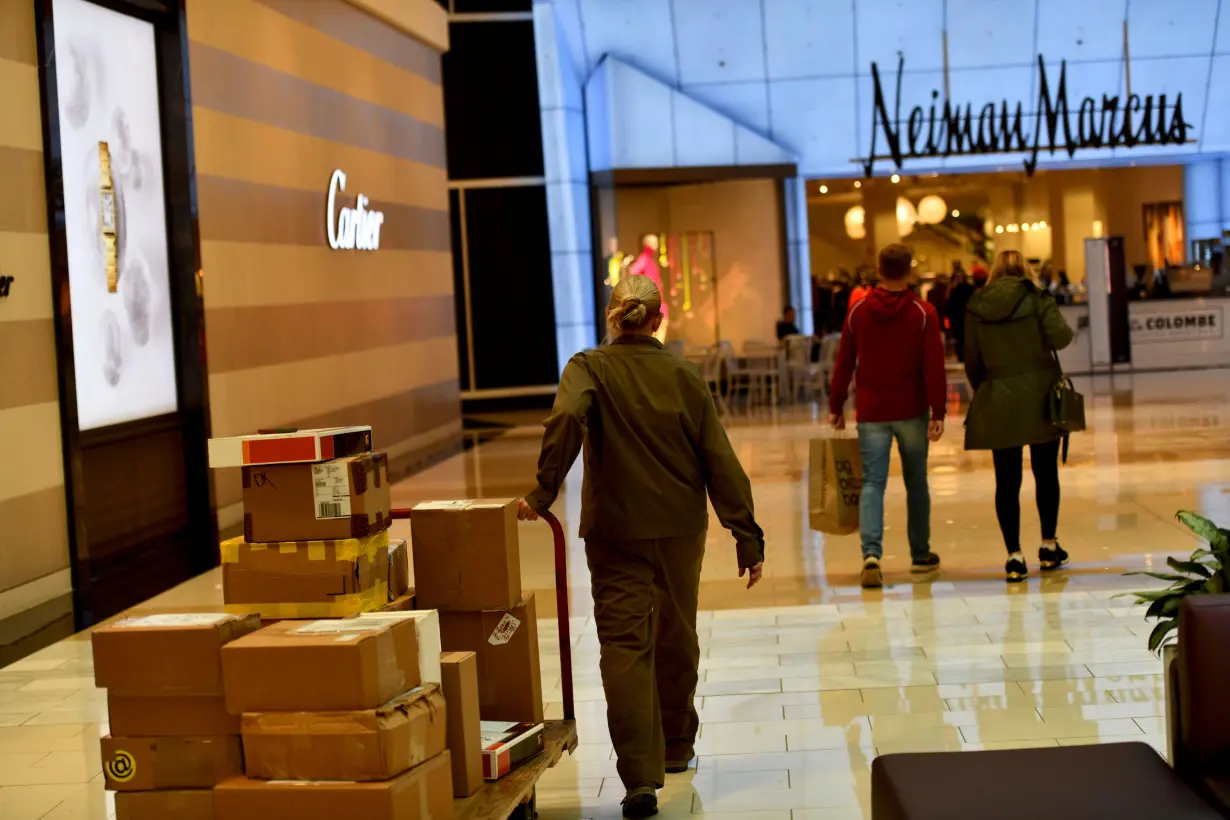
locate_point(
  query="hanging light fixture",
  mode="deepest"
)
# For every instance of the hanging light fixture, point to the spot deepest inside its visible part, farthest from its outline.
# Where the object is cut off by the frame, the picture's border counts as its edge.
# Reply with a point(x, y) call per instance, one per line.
point(932, 210)
point(906, 216)
point(856, 219)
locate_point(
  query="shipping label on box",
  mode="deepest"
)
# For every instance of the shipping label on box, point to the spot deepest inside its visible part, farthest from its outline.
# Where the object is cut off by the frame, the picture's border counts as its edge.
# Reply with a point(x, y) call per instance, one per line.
point(376, 744)
point(306, 579)
point(166, 654)
point(506, 643)
point(289, 446)
point(467, 556)
point(342, 498)
point(422, 793)
point(326, 666)
point(150, 763)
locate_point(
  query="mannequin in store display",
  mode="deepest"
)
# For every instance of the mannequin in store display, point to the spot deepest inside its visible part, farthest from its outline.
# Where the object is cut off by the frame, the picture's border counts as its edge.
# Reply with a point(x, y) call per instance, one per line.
point(646, 264)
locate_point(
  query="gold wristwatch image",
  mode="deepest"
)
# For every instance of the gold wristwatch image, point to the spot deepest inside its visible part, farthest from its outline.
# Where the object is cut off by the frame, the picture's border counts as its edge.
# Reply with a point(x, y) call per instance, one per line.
point(107, 215)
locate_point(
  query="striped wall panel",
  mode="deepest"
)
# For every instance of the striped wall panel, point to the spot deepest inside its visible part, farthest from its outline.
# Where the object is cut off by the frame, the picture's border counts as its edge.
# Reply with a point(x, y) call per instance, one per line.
point(35, 581)
point(283, 93)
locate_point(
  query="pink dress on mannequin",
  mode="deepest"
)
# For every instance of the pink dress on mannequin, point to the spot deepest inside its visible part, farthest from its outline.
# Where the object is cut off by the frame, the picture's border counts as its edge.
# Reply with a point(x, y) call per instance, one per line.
point(647, 265)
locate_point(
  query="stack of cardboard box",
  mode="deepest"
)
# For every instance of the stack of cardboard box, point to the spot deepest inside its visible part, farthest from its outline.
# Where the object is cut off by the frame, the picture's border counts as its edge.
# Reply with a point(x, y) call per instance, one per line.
point(467, 565)
point(171, 738)
point(316, 518)
point(341, 718)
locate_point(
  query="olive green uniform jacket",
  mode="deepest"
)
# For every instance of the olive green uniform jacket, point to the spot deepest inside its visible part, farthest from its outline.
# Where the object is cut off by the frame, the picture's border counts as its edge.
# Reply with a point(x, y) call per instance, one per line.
point(654, 447)
point(1012, 328)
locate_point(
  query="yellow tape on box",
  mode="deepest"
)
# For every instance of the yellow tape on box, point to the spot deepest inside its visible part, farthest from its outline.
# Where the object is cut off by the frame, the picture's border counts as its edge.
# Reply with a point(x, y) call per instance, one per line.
point(310, 579)
point(343, 606)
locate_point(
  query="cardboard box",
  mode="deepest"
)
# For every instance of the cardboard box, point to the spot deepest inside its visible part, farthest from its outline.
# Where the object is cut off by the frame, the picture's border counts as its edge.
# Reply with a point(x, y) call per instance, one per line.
point(427, 626)
point(141, 764)
point(377, 744)
point(404, 603)
point(197, 804)
point(321, 666)
point(507, 745)
point(466, 555)
point(506, 643)
point(177, 654)
point(399, 569)
point(289, 446)
point(343, 498)
point(423, 793)
point(306, 579)
point(465, 737)
point(185, 716)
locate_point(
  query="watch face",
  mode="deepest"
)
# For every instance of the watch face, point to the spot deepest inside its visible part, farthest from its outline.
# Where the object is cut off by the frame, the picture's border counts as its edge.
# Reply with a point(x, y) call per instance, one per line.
point(107, 203)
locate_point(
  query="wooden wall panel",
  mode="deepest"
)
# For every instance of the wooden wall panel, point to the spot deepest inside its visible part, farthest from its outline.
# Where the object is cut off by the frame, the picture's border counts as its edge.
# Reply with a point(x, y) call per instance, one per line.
point(34, 563)
point(298, 334)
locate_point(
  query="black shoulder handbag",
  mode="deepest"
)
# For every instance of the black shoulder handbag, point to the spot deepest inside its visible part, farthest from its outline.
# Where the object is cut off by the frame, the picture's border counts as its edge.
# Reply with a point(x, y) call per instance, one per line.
point(1065, 407)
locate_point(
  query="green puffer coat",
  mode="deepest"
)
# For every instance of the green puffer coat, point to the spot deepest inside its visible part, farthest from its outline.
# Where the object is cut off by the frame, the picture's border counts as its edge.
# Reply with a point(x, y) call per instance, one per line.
point(1011, 329)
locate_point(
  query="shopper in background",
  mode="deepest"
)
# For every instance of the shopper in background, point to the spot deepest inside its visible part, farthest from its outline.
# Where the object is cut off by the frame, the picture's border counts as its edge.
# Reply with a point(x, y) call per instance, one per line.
point(1014, 327)
point(786, 326)
point(653, 447)
point(841, 301)
point(860, 291)
point(959, 293)
point(893, 349)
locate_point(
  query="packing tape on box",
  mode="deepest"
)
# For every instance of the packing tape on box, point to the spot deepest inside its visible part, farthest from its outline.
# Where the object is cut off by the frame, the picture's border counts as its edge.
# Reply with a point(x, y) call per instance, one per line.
point(348, 549)
point(343, 606)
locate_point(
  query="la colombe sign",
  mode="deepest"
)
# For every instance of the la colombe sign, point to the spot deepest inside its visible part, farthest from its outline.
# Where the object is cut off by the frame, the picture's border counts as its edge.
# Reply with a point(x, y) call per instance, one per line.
point(354, 228)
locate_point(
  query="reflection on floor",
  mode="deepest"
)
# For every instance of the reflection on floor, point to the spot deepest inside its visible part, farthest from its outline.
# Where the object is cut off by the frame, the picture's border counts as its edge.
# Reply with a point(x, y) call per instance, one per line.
point(808, 677)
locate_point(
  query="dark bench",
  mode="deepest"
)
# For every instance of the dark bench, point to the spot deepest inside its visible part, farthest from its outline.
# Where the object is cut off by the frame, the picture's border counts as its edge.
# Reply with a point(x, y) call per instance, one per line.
point(1119, 781)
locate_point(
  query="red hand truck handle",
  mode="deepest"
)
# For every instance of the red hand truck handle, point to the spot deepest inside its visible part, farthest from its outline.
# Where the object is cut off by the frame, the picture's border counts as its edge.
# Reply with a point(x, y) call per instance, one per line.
point(561, 606)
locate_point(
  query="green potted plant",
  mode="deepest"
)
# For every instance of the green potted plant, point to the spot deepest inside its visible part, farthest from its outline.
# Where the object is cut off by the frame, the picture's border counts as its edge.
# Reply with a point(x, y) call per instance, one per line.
point(1205, 572)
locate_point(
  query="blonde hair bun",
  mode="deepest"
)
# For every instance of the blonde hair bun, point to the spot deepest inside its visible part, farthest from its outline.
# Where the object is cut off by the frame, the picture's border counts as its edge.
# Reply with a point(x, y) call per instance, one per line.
point(635, 303)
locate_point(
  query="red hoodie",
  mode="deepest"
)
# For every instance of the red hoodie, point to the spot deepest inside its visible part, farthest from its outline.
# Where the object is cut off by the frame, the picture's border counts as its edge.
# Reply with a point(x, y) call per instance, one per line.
point(893, 340)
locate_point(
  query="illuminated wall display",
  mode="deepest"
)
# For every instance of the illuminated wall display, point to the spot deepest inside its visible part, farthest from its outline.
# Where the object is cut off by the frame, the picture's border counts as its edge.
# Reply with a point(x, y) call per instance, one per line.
point(354, 228)
point(955, 130)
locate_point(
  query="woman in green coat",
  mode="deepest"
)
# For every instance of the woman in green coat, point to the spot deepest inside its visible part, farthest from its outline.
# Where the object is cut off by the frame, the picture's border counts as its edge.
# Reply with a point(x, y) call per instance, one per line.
point(1013, 328)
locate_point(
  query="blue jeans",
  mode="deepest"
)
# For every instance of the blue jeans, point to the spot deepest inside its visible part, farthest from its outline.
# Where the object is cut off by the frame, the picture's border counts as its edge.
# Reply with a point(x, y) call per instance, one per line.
point(875, 442)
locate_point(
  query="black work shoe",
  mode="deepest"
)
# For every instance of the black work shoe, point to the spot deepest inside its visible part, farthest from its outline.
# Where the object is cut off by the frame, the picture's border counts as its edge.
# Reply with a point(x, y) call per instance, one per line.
point(926, 563)
point(873, 576)
point(678, 766)
point(1052, 558)
point(1015, 569)
point(642, 802)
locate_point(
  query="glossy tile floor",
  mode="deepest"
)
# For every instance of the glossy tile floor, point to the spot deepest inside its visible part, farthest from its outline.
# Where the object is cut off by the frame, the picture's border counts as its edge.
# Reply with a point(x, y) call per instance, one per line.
point(807, 678)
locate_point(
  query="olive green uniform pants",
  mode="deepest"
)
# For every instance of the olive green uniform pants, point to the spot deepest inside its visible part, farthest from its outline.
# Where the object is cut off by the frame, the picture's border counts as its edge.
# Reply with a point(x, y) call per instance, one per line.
point(645, 600)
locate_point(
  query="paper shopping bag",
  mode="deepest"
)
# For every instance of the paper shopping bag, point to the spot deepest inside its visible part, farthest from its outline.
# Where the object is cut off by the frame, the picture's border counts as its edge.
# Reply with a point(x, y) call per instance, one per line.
point(834, 485)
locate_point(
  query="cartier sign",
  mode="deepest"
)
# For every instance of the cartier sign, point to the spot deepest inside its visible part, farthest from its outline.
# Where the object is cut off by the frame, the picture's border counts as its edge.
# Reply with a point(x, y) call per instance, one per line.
point(354, 228)
point(953, 129)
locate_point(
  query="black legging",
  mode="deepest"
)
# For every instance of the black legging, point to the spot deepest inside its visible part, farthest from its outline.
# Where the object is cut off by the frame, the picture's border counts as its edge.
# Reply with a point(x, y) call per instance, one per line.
point(1044, 459)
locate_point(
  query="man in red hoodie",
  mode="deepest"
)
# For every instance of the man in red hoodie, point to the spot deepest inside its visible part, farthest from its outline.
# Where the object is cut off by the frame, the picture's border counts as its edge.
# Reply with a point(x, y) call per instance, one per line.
point(893, 349)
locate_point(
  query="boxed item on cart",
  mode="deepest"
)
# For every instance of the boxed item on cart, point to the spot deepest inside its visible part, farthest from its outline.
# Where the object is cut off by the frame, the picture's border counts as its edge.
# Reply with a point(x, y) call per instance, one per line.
point(465, 736)
point(170, 716)
point(169, 654)
point(306, 579)
point(506, 643)
point(374, 744)
point(507, 745)
point(289, 446)
point(149, 763)
point(342, 498)
point(399, 569)
point(422, 793)
point(321, 666)
point(466, 555)
point(186, 804)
